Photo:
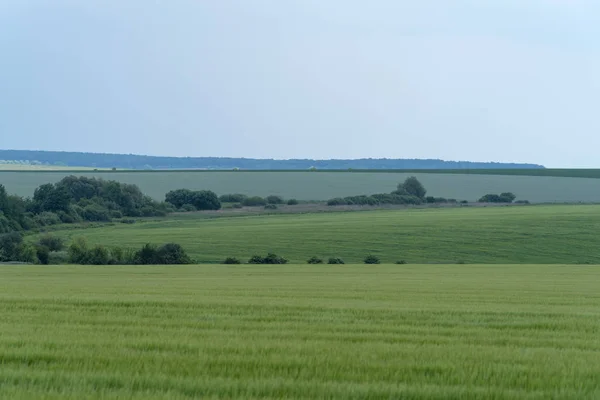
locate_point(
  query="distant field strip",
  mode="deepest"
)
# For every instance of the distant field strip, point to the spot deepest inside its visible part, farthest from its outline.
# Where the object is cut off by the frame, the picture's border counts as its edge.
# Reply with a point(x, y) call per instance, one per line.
point(325, 185)
point(529, 234)
point(304, 332)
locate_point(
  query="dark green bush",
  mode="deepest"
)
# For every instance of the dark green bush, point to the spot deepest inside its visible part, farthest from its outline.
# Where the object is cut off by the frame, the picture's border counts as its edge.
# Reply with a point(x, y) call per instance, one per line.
point(233, 198)
point(172, 253)
point(401, 262)
point(231, 260)
point(43, 255)
point(315, 260)
point(371, 259)
point(338, 201)
point(271, 207)
point(52, 243)
point(46, 218)
point(254, 201)
point(256, 260)
point(274, 199)
point(292, 202)
point(335, 260)
point(95, 213)
point(128, 221)
point(269, 259)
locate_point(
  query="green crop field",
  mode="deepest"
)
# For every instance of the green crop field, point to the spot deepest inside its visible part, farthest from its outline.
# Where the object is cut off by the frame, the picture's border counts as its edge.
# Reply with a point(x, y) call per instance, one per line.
point(525, 234)
point(305, 332)
point(326, 185)
point(39, 168)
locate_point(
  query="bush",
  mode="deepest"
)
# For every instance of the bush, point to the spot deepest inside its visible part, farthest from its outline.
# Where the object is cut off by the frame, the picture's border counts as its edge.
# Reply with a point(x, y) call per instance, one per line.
point(315, 260)
point(128, 221)
point(95, 213)
point(371, 259)
point(256, 260)
point(338, 201)
point(401, 262)
point(116, 214)
point(335, 260)
point(47, 218)
point(98, 255)
point(271, 207)
point(78, 251)
point(255, 201)
point(171, 254)
point(274, 199)
point(494, 198)
point(43, 255)
point(201, 200)
point(269, 259)
point(233, 198)
point(58, 258)
point(292, 202)
point(231, 260)
point(206, 200)
point(522, 202)
point(187, 208)
point(53, 243)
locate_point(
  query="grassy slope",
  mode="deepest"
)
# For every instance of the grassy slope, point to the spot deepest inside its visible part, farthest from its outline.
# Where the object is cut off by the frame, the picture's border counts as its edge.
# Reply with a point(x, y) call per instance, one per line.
point(348, 332)
point(324, 185)
point(534, 234)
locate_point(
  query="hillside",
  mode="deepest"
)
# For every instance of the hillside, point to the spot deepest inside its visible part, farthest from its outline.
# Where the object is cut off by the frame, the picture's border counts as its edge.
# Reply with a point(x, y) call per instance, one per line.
point(519, 235)
point(131, 161)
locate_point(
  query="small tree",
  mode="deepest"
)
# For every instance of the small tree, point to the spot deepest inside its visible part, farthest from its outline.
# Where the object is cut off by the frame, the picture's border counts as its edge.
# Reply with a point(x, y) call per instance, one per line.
point(231, 260)
point(335, 260)
point(292, 202)
point(413, 187)
point(315, 260)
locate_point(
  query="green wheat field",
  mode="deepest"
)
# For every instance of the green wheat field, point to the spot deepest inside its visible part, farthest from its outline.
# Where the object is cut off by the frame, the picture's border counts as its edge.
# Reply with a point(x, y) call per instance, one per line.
point(305, 332)
point(551, 234)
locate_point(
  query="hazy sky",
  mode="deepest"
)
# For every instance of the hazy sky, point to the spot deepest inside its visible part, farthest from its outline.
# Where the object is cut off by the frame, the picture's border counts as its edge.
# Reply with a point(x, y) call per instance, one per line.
point(481, 80)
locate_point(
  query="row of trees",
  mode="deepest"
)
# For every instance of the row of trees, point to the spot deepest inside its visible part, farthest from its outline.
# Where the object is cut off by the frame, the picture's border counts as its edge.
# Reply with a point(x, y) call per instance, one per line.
point(411, 191)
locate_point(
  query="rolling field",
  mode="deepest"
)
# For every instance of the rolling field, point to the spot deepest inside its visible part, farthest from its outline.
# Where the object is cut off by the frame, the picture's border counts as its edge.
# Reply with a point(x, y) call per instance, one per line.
point(325, 185)
point(532, 234)
point(306, 332)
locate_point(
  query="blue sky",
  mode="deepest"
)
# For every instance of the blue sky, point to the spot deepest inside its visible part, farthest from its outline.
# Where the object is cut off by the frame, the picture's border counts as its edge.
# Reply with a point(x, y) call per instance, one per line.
point(495, 80)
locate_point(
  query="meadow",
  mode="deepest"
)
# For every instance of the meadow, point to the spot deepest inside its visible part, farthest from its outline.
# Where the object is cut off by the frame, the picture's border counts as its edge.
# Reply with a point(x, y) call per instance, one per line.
point(303, 185)
point(305, 332)
point(549, 234)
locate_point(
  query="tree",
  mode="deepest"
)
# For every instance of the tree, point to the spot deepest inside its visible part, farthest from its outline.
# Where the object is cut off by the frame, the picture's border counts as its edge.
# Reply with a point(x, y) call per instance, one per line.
point(508, 197)
point(412, 187)
point(179, 197)
point(206, 200)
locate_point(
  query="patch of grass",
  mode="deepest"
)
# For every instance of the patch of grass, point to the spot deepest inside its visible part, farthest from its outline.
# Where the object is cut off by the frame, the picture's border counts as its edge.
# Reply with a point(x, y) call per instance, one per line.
point(536, 234)
point(339, 332)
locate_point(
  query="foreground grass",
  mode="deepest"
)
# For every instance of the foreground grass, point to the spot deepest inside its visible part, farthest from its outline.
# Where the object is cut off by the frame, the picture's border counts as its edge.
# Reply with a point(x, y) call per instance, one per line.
point(534, 234)
point(347, 332)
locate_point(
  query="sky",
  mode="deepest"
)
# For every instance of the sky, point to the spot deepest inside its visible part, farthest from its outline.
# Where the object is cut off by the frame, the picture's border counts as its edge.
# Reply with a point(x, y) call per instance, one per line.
point(476, 80)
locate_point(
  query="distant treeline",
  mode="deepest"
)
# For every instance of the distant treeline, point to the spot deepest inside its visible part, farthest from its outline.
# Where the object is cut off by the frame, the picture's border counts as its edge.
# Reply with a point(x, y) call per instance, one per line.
point(130, 161)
